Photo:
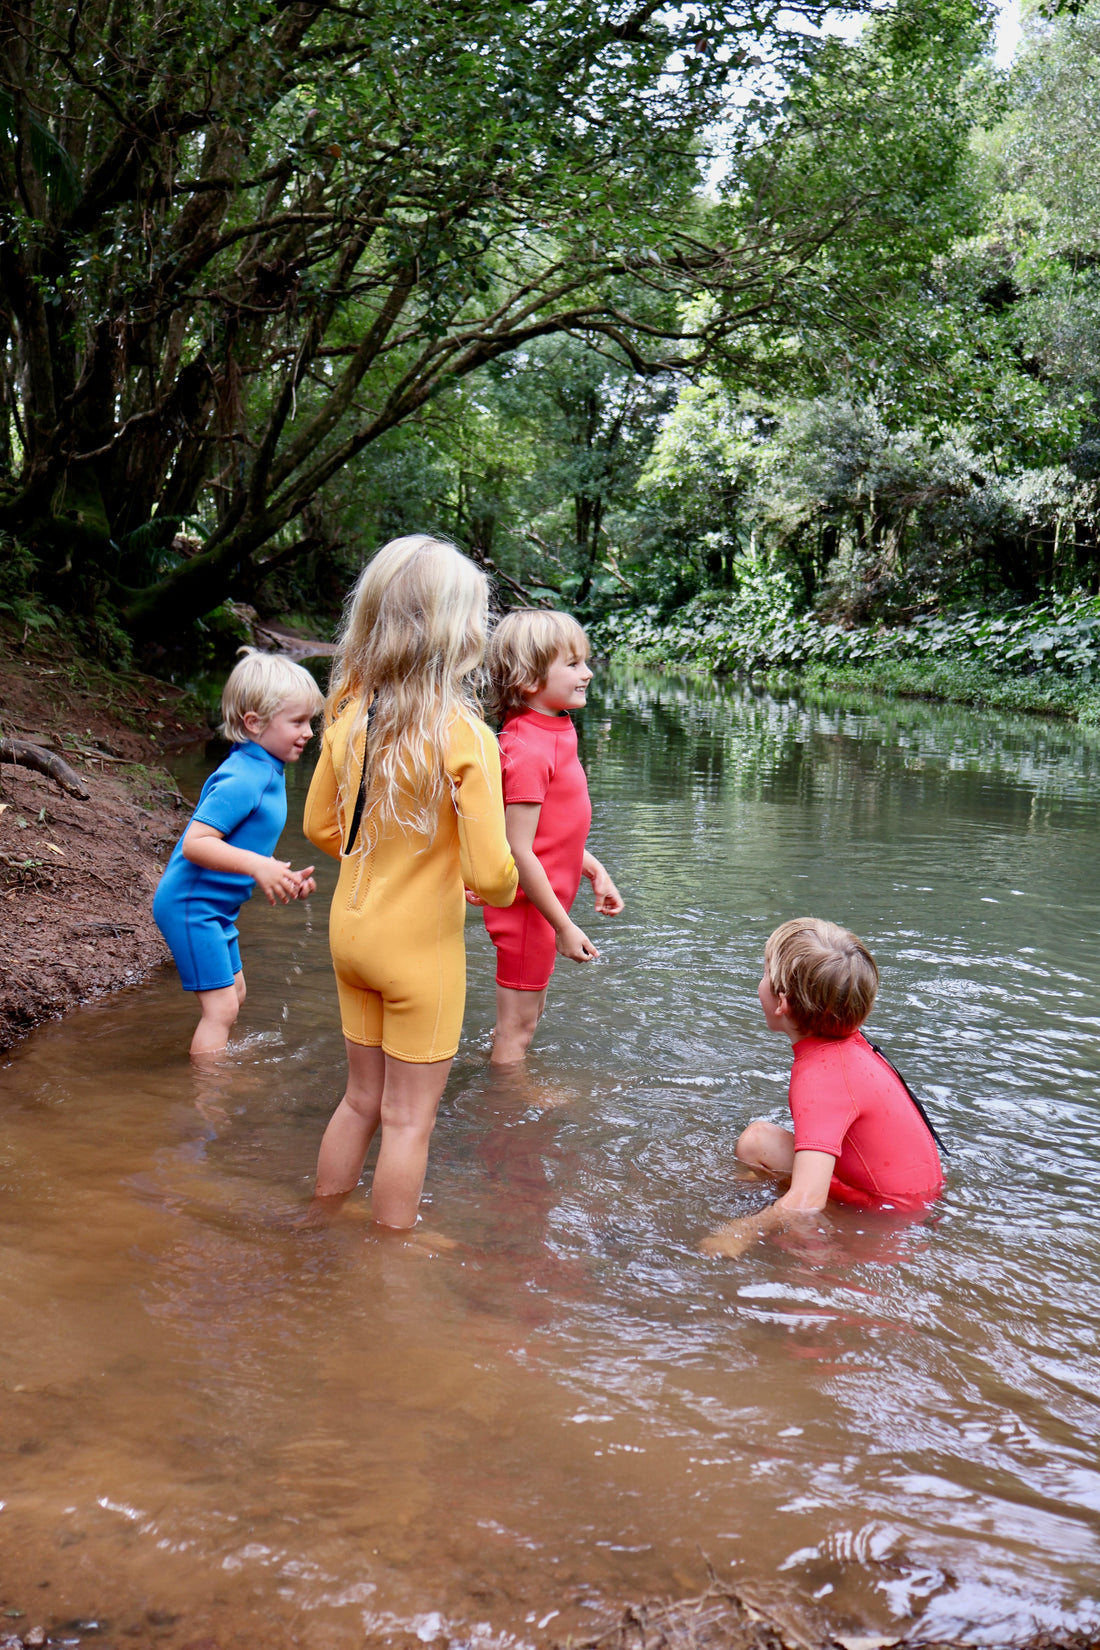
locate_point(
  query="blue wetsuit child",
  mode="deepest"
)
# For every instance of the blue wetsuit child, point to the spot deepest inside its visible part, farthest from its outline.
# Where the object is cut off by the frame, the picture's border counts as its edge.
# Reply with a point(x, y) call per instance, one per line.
point(228, 846)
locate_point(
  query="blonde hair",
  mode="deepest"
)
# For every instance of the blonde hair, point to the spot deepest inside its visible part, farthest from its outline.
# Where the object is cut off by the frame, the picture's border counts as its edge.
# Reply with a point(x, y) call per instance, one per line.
point(521, 650)
point(413, 634)
point(263, 683)
point(827, 975)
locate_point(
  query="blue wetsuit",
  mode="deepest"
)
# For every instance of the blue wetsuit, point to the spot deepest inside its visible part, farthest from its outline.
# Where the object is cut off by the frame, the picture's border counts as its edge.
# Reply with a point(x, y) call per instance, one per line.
point(196, 909)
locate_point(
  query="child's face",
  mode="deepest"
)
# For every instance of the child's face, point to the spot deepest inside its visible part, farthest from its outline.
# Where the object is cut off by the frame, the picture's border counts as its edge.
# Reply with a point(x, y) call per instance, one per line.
point(565, 687)
point(287, 734)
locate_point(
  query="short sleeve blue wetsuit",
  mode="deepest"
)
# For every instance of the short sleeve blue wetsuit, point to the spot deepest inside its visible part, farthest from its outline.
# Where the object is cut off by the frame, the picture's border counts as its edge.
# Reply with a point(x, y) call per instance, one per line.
point(196, 909)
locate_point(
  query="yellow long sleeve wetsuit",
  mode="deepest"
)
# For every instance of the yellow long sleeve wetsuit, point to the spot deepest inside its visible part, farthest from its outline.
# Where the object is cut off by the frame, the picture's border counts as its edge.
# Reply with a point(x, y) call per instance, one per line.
point(395, 929)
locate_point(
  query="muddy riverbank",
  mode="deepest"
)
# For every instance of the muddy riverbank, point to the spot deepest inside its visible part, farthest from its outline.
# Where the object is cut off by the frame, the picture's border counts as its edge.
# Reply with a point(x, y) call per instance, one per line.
point(77, 874)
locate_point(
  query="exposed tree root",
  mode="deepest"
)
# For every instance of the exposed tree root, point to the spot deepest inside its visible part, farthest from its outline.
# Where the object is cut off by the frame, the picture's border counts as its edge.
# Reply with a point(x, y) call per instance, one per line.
point(25, 755)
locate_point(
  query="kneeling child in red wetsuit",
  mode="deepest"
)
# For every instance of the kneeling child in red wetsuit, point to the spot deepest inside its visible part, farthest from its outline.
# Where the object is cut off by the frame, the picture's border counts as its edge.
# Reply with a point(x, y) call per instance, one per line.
point(538, 665)
point(859, 1135)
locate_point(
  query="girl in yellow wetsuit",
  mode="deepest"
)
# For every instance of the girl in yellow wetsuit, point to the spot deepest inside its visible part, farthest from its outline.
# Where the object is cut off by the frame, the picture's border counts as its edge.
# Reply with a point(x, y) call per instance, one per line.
point(406, 739)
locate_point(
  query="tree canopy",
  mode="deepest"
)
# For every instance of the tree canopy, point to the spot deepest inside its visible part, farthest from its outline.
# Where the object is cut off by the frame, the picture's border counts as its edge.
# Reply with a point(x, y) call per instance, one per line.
point(243, 243)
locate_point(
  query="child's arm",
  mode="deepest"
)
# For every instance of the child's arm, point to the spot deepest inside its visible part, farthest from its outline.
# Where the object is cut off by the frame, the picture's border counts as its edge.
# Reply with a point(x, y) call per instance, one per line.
point(807, 1195)
point(486, 862)
point(521, 821)
point(323, 823)
point(609, 902)
point(205, 846)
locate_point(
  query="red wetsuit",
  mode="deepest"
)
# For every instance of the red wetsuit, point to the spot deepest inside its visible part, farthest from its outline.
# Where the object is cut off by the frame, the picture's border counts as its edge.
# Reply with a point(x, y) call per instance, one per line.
point(538, 756)
point(846, 1100)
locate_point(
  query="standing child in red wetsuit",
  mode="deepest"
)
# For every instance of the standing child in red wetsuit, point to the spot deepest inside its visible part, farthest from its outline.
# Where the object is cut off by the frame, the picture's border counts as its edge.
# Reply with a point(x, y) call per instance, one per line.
point(859, 1136)
point(538, 666)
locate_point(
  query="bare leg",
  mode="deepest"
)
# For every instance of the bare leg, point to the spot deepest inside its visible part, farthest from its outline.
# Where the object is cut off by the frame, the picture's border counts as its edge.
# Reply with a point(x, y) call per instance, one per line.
point(410, 1100)
point(352, 1125)
point(518, 1013)
point(767, 1147)
point(401, 1097)
point(219, 1010)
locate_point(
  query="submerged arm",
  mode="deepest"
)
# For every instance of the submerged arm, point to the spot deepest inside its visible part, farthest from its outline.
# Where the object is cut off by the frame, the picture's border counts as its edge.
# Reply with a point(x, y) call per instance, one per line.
point(806, 1196)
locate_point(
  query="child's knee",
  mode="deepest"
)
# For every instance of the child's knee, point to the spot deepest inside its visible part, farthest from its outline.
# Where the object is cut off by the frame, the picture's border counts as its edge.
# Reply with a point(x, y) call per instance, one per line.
point(511, 1037)
point(750, 1142)
point(221, 1006)
point(767, 1147)
point(515, 1031)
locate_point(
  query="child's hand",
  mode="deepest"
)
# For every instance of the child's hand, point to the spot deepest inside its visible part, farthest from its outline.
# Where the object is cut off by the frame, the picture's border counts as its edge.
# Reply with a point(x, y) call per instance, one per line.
point(277, 880)
point(573, 943)
point(609, 902)
point(728, 1242)
point(306, 884)
point(472, 898)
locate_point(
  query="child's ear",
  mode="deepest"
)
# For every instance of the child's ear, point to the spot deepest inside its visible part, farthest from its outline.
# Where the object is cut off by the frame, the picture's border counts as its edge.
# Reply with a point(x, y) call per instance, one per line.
point(253, 723)
point(782, 1006)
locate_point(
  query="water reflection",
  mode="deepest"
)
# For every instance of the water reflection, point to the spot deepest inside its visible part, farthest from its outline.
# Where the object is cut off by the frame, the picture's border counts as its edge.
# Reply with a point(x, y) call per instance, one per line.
point(318, 1435)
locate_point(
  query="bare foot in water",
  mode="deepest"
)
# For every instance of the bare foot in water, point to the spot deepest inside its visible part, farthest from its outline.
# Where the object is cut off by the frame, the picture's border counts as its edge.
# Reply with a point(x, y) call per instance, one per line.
point(517, 1084)
point(322, 1211)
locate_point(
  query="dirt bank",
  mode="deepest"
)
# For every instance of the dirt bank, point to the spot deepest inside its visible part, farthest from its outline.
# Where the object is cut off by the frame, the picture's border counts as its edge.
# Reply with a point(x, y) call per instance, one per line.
point(77, 876)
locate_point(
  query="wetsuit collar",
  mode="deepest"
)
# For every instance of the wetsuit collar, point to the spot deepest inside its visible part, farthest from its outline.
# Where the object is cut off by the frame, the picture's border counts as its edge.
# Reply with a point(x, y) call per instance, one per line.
point(541, 718)
point(809, 1037)
point(257, 752)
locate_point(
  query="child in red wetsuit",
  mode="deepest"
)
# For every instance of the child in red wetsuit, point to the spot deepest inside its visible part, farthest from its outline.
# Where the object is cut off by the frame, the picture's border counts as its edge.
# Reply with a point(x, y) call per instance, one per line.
point(538, 666)
point(859, 1136)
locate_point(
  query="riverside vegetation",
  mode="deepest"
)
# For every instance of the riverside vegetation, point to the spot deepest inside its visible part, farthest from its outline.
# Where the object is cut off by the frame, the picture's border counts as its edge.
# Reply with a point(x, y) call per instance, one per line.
point(1043, 658)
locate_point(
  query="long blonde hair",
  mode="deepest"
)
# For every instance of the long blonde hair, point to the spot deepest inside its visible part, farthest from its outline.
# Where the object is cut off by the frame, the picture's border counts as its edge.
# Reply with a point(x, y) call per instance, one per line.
point(413, 634)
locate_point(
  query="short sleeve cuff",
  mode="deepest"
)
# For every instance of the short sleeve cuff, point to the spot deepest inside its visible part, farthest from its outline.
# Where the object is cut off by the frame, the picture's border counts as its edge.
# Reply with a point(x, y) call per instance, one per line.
point(832, 1147)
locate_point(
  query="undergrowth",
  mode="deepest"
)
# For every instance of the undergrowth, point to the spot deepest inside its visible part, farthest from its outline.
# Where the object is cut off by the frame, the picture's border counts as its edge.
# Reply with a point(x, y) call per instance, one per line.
point(1042, 658)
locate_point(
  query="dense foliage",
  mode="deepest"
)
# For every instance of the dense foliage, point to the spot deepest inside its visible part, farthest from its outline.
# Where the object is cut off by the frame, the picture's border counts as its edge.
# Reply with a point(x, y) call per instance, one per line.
point(947, 457)
point(248, 246)
point(760, 342)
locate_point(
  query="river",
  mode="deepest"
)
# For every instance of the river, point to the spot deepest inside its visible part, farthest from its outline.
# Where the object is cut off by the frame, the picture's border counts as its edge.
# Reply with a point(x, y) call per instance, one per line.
point(216, 1421)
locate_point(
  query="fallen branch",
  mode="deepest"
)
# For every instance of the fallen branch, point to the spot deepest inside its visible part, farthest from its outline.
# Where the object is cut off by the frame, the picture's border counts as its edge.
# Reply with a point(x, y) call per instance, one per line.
point(295, 647)
point(19, 752)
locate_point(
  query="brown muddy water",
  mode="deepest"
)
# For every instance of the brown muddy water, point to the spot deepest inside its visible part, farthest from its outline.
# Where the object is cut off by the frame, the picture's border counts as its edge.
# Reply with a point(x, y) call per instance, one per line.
point(214, 1421)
